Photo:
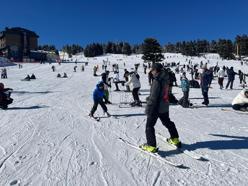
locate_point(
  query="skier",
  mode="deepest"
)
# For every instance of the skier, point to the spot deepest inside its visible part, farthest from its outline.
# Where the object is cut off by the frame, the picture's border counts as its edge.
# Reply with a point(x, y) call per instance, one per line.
point(75, 68)
point(150, 77)
point(221, 75)
point(98, 96)
point(5, 98)
point(184, 101)
point(116, 80)
point(205, 79)
point(106, 81)
point(53, 68)
point(126, 77)
point(240, 102)
point(158, 107)
point(172, 78)
point(135, 85)
point(241, 76)
point(231, 76)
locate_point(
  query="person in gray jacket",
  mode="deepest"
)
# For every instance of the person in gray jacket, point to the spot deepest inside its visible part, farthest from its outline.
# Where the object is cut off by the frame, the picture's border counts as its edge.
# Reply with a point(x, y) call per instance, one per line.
point(158, 107)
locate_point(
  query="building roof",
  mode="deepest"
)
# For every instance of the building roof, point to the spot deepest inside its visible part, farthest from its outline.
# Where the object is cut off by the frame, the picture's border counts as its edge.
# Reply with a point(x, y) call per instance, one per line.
point(16, 30)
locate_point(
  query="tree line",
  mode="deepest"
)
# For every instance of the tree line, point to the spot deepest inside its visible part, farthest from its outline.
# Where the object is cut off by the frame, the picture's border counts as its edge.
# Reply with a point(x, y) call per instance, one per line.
point(226, 48)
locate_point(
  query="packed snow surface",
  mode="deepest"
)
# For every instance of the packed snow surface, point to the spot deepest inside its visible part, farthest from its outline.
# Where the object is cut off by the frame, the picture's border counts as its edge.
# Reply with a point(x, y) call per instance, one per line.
point(47, 138)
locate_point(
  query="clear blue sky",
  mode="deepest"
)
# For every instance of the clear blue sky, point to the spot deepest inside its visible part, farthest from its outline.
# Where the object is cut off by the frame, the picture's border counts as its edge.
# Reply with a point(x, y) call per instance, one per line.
point(81, 22)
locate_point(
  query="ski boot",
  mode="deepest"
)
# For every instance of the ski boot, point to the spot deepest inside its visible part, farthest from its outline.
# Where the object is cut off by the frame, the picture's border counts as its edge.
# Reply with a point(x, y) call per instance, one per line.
point(148, 148)
point(175, 142)
point(107, 114)
point(91, 115)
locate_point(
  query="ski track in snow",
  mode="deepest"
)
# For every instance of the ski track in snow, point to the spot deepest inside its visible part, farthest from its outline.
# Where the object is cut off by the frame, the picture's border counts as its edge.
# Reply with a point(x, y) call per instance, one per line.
point(48, 139)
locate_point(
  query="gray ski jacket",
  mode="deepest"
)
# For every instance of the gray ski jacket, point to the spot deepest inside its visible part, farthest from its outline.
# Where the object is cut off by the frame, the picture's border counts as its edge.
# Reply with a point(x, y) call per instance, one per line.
point(158, 101)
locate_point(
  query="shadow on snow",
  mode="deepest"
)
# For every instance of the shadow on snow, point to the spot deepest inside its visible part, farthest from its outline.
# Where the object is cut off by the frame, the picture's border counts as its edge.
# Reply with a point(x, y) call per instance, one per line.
point(27, 108)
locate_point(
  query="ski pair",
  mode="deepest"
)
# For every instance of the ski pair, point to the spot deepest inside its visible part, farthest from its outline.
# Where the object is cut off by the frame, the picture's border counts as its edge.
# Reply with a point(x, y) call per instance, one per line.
point(182, 149)
point(98, 118)
point(154, 155)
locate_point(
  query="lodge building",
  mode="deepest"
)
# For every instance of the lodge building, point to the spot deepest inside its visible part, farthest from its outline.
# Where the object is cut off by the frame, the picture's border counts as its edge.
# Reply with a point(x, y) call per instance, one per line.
point(17, 43)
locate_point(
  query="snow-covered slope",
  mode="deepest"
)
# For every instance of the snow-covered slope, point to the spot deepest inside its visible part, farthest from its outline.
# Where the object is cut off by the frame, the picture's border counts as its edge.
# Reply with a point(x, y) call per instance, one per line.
point(46, 137)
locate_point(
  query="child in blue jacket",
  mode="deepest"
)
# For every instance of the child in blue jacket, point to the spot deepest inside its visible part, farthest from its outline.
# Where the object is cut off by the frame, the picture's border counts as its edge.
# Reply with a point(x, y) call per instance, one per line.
point(98, 96)
point(184, 101)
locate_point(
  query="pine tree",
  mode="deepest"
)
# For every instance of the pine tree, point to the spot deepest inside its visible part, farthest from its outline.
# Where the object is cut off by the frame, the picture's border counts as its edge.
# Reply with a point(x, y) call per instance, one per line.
point(152, 50)
point(126, 49)
point(225, 49)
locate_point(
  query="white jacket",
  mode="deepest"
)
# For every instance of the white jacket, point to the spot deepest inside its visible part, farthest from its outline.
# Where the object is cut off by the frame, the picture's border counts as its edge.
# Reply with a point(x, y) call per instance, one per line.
point(133, 82)
point(221, 73)
point(240, 99)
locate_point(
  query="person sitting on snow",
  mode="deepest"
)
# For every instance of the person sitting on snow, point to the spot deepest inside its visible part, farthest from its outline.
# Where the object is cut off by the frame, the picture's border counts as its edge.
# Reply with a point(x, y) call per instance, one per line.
point(98, 96)
point(65, 75)
point(32, 76)
point(27, 78)
point(240, 102)
point(58, 75)
point(5, 98)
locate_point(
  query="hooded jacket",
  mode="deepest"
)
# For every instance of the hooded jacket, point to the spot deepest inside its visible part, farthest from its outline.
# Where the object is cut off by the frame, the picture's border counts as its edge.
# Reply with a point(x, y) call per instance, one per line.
point(158, 101)
point(134, 82)
point(185, 84)
point(98, 93)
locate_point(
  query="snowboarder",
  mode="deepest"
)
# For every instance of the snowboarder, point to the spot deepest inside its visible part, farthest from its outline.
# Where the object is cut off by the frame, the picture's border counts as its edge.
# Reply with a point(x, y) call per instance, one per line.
point(98, 96)
point(240, 102)
point(158, 107)
point(5, 98)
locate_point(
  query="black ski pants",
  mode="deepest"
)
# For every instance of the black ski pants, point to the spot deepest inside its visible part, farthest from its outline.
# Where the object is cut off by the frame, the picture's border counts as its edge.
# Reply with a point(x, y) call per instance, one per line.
point(184, 101)
point(150, 123)
point(229, 82)
point(205, 95)
point(220, 81)
point(135, 93)
point(239, 107)
point(93, 110)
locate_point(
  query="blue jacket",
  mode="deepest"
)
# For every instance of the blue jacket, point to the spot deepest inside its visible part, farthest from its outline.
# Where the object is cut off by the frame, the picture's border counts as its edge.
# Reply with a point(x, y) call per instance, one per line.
point(98, 94)
point(185, 85)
